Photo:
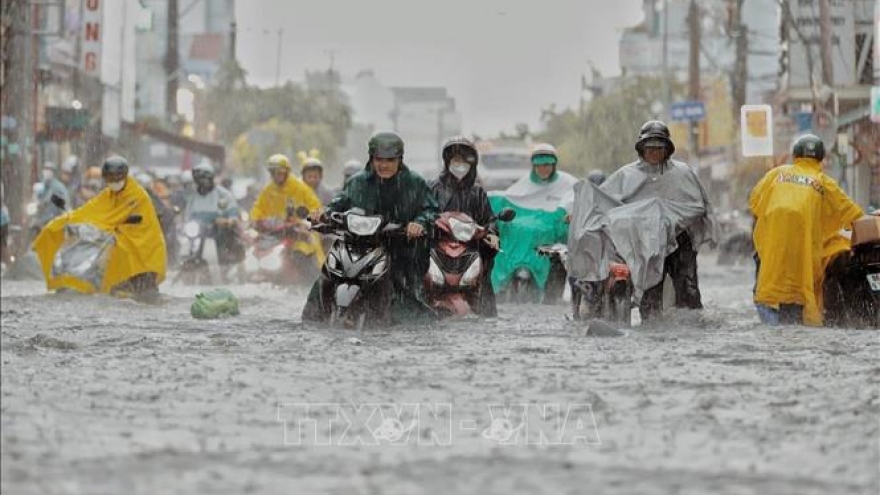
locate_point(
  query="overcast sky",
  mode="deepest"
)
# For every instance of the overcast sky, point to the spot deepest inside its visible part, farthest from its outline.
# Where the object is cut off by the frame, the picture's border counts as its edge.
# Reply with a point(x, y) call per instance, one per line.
point(502, 60)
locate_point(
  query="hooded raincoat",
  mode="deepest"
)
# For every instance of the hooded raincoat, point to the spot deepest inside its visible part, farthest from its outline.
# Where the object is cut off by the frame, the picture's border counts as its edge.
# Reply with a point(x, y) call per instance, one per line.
point(272, 204)
point(139, 248)
point(402, 199)
point(798, 212)
point(540, 207)
point(464, 196)
point(638, 214)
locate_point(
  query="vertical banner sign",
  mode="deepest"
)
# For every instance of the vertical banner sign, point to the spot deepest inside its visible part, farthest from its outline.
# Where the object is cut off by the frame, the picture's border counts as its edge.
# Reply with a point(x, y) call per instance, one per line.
point(92, 26)
point(756, 130)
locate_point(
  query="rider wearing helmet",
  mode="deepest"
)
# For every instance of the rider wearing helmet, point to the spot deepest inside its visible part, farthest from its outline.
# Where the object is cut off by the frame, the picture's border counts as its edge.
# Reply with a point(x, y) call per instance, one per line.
point(215, 206)
point(278, 201)
point(456, 190)
point(387, 187)
point(136, 262)
point(312, 174)
point(798, 213)
point(657, 176)
point(350, 168)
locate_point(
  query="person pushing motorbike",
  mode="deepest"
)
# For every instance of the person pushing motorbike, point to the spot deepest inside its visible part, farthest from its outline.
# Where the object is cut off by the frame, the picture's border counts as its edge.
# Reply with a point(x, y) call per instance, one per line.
point(387, 187)
point(215, 206)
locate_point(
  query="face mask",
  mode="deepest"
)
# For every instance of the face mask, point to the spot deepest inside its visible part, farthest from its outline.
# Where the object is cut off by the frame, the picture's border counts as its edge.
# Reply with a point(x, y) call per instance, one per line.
point(48, 175)
point(116, 186)
point(459, 169)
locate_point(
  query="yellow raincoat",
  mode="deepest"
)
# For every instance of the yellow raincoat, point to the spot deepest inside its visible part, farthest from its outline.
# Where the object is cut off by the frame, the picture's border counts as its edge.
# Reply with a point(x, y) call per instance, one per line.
point(139, 248)
point(272, 204)
point(799, 211)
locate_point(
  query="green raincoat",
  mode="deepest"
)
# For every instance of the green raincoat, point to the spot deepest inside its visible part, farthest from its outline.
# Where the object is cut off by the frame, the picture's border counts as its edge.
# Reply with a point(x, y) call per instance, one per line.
point(402, 199)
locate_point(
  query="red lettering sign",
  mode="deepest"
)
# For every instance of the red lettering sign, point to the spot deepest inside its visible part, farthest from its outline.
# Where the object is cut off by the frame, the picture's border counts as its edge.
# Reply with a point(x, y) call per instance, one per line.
point(91, 62)
point(93, 31)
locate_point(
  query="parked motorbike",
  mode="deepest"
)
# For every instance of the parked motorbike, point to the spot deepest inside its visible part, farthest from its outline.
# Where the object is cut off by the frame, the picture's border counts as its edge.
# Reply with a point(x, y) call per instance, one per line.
point(357, 265)
point(455, 270)
point(272, 256)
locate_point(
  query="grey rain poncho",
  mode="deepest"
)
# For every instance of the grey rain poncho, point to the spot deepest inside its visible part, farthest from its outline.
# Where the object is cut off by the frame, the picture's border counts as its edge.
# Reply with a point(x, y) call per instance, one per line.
point(635, 217)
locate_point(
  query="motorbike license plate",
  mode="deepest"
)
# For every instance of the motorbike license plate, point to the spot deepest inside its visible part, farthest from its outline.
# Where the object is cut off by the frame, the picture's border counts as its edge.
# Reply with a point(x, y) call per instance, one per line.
point(874, 281)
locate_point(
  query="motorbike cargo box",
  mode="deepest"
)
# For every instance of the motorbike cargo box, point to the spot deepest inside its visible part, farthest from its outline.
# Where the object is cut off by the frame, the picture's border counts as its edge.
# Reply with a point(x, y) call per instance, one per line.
point(866, 230)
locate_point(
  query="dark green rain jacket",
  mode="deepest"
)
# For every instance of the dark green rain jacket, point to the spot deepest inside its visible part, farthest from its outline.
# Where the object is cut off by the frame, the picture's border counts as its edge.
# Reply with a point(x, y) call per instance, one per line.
point(402, 199)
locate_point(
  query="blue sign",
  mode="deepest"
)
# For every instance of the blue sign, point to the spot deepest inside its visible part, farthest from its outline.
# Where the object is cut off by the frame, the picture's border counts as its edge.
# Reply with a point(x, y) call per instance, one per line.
point(687, 111)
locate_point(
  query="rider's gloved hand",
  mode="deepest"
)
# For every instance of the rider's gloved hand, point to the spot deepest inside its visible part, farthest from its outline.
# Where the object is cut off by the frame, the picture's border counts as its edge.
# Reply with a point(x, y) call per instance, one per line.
point(414, 230)
point(493, 241)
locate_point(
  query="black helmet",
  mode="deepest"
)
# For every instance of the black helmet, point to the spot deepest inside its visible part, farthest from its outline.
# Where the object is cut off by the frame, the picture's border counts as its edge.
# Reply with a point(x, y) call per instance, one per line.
point(654, 129)
point(115, 168)
point(808, 145)
point(462, 146)
point(596, 176)
point(385, 144)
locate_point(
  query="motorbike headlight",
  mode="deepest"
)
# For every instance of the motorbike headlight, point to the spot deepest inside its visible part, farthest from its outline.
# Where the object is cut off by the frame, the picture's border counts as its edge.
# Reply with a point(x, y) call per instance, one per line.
point(363, 225)
point(472, 273)
point(462, 231)
point(191, 228)
point(435, 274)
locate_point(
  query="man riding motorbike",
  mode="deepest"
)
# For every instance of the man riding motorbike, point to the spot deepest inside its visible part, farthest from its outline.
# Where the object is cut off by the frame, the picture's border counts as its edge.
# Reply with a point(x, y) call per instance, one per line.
point(313, 175)
point(387, 187)
point(456, 191)
point(283, 194)
point(215, 207)
point(654, 214)
point(540, 200)
point(46, 209)
point(799, 212)
point(136, 262)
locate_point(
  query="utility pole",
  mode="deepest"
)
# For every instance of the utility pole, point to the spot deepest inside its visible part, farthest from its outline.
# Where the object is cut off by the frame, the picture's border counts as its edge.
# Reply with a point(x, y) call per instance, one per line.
point(233, 35)
point(17, 78)
point(172, 60)
point(825, 42)
point(694, 74)
point(278, 58)
point(667, 96)
point(739, 78)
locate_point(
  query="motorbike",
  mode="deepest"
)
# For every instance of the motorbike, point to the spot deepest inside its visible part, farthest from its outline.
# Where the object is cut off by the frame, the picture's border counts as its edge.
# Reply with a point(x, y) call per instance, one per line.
point(194, 268)
point(855, 302)
point(455, 270)
point(357, 265)
point(610, 299)
point(272, 257)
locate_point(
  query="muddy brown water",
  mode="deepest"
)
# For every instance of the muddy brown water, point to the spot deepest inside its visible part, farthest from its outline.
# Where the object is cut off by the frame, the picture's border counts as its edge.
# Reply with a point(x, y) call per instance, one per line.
point(101, 396)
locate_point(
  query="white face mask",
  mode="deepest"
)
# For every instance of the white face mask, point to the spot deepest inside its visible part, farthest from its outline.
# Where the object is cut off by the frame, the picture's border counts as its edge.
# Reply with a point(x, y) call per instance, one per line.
point(459, 169)
point(48, 174)
point(116, 186)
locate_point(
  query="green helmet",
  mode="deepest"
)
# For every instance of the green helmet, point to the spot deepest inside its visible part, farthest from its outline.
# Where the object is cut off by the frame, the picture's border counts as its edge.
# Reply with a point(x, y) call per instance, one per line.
point(385, 144)
point(808, 145)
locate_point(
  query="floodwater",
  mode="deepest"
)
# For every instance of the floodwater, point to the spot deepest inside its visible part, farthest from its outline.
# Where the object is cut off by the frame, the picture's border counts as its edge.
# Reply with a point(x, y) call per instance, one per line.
point(102, 396)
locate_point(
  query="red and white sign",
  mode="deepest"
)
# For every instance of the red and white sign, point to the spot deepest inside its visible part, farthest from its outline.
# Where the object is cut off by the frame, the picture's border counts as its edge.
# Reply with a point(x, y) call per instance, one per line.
point(92, 32)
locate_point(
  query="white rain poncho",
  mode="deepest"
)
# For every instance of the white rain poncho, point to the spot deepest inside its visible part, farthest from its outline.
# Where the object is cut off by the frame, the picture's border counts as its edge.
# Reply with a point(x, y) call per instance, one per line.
point(635, 216)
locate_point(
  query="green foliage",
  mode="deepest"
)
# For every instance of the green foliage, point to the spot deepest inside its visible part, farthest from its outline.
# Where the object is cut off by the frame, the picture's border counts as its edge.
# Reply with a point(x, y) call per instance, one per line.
point(603, 134)
point(284, 119)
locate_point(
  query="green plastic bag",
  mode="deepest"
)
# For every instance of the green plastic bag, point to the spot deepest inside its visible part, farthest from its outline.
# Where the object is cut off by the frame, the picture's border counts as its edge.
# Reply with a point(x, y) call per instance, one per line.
point(216, 303)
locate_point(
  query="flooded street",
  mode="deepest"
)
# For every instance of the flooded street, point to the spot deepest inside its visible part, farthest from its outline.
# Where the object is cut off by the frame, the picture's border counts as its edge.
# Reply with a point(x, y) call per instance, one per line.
point(102, 396)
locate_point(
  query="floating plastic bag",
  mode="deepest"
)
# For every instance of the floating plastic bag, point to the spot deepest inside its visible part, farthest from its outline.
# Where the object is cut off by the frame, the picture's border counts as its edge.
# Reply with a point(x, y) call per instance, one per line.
point(217, 303)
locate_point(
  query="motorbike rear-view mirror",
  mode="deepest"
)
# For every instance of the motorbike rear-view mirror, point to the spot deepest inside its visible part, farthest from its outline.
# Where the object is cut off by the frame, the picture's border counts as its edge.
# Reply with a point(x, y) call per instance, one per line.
point(507, 214)
point(58, 201)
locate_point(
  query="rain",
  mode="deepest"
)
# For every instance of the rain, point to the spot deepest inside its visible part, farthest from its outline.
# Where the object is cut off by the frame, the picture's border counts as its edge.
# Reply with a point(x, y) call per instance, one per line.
point(262, 246)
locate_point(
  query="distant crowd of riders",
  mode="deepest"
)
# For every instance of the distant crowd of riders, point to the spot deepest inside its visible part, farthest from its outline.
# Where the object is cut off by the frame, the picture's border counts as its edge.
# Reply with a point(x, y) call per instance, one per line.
point(390, 247)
